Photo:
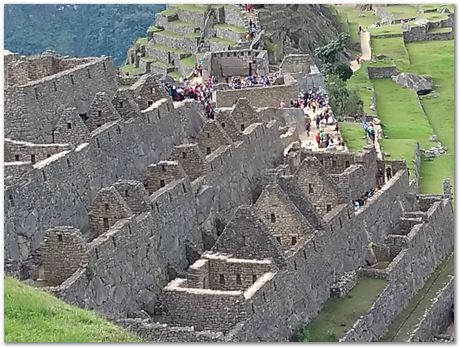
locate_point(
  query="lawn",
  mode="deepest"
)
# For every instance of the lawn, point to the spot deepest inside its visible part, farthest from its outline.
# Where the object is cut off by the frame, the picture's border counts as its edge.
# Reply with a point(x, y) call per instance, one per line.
point(234, 28)
point(131, 69)
point(402, 11)
point(404, 323)
point(188, 62)
point(361, 83)
point(31, 315)
point(393, 48)
point(386, 29)
point(400, 149)
point(192, 8)
point(438, 105)
point(219, 40)
point(400, 112)
point(352, 134)
point(339, 314)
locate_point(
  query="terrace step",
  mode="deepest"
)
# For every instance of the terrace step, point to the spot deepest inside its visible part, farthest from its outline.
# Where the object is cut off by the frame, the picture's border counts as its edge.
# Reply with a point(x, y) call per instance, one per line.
point(166, 54)
point(187, 42)
point(181, 27)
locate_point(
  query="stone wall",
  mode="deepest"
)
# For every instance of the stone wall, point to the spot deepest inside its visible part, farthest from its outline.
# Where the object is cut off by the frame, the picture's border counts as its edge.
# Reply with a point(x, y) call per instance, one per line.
point(33, 110)
point(423, 34)
point(21, 151)
point(60, 189)
point(258, 96)
point(438, 316)
point(391, 200)
point(434, 240)
point(381, 72)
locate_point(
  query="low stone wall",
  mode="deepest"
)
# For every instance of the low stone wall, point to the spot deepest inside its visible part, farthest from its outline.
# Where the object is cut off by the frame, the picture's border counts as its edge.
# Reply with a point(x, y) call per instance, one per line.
point(423, 34)
point(381, 72)
point(437, 316)
point(258, 96)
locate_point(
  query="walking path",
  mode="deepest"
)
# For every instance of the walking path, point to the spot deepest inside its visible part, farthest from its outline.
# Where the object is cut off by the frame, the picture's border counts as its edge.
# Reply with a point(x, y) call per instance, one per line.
point(366, 52)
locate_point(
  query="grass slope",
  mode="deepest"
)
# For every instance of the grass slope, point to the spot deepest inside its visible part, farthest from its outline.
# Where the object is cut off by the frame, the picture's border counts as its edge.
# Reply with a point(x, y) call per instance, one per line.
point(393, 48)
point(32, 315)
point(339, 314)
point(352, 134)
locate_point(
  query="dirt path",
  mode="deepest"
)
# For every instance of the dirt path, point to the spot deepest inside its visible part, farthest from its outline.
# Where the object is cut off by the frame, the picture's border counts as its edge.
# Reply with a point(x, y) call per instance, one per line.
point(366, 52)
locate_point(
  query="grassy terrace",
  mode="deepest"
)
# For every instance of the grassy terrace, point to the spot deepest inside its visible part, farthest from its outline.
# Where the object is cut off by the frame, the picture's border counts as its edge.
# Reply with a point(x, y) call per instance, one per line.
point(234, 28)
point(405, 322)
point(188, 62)
point(386, 29)
point(393, 48)
point(168, 12)
point(177, 36)
point(184, 24)
point(353, 19)
point(175, 75)
point(219, 40)
point(361, 83)
point(191, 7)
point(165, 48)
point(438, 106)
point(131, 69)
point(153, 29)
point(440, 30)
point(31, 315)
point(352, 134)
point(402, 11)
point(339, 314)
point(142, 41)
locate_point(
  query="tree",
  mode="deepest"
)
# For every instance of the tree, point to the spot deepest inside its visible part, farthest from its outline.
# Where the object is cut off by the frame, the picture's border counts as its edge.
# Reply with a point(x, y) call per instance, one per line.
point(329, 53)
point(343, 71)
point(342, 100)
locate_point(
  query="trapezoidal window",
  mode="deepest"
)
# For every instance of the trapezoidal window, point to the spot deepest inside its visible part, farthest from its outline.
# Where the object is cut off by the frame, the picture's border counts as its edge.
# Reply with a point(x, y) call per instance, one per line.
point(310, 188)
point(32, 159)
point(347, 164)
point(150, 102)
point(272, 217)
point(162, 183)
point(328, 208)
point(238, 279)
point(184, 155)
point(221, 279)
point(69, 125)
point(59, 237)
point(105, 222)
point(242, 127)
point(208, 150)
point(17, 158)
point(254, 278)
point(293, 240)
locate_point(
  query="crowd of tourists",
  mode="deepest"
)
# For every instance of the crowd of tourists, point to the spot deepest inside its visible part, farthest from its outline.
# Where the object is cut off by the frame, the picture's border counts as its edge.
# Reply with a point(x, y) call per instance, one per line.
point(201, 92)
point(238, 82)
point(369, 130)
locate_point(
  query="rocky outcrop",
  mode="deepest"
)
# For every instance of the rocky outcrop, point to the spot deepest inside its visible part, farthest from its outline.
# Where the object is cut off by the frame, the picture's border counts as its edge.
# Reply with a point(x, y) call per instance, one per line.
point(422, 84)
point(308, 27)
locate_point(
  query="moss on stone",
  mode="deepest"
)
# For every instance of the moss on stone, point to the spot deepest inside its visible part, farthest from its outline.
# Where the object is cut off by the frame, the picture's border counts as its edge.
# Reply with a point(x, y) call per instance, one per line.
point(153, 29)
point(188, 62)
point(231, 27)
point(168, 12)
point(131, 69)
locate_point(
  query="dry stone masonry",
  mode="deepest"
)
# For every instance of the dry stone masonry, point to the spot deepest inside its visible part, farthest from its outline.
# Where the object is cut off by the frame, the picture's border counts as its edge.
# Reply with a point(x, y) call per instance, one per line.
point(185, 229)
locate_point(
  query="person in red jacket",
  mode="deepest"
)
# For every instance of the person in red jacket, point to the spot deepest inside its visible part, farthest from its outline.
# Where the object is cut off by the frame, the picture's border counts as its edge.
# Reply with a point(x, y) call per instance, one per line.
point(318, 139)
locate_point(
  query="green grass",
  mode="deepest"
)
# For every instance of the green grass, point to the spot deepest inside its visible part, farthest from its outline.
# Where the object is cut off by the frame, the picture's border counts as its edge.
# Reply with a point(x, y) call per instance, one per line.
point(434, 16)
point(31, 315)
point(400, 113)
point(184, 24)
point(191, 8)
point(393, 48)
point(175, 75)
point(168, 12)
point(131, 69)
point(219, 40)
point(234, 28)
point(402, 326)
point(165, 48)
point(386, 29)
point(439, 106)
point(153, 29)
point(361, 83)
point(188, 62)
point(400, 149)
point(339, 314)
point(402, 11)
point(352, 134)
point(170, 34)
point(142, 41)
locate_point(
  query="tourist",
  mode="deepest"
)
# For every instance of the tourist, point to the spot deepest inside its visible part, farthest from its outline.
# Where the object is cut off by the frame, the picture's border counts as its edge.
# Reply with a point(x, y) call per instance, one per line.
point(282, 104)
point(308, 126)
point(389, 173)
point(380, 177)
point(318, 139)
point(336, 127)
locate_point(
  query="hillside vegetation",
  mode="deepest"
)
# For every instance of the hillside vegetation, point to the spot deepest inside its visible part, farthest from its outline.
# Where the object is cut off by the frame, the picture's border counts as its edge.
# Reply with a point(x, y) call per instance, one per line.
point(76, 30)
point(32, 315)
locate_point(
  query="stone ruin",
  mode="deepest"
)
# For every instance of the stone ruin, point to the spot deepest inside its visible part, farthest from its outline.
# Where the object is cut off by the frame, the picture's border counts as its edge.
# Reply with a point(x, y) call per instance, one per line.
point(184, 229)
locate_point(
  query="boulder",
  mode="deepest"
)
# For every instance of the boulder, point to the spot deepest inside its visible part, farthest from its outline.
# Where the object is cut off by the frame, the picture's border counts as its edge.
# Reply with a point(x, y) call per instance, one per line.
point(422, 85)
